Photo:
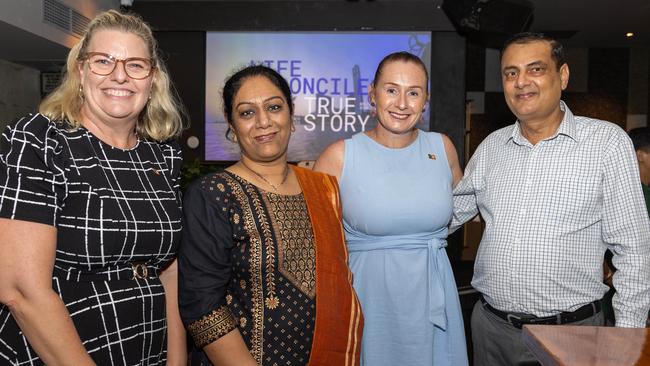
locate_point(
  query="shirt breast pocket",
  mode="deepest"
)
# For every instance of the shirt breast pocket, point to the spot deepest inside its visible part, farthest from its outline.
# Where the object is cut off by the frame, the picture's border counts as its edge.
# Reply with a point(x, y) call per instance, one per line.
point(576, 194)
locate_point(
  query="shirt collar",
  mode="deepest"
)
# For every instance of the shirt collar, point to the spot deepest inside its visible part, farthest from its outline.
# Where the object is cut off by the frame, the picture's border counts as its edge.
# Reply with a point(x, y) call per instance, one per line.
point(567, 128)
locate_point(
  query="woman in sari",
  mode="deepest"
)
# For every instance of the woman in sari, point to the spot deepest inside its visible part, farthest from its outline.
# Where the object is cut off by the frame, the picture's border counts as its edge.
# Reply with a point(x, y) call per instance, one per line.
point(263, 265)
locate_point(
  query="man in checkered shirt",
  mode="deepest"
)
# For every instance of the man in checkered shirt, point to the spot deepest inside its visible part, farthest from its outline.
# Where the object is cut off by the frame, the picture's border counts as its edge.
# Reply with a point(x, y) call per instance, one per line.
point(555, 191)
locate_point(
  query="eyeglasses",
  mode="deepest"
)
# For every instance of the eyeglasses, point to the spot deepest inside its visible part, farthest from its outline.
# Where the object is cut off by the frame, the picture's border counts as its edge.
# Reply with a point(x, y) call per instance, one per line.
point(103, 64)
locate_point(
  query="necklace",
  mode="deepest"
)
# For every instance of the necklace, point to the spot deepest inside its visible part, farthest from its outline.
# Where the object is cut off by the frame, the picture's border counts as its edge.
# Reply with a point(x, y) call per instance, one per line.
point(285, 174)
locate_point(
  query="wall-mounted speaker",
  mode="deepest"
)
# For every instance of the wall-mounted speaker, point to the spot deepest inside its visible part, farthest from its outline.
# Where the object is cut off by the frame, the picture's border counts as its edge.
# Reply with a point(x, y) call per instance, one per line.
point(489, 21)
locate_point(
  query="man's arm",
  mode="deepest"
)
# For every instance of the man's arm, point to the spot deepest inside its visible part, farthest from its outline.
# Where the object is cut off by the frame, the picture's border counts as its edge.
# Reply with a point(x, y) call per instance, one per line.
point(626, 230)
point(465, 203)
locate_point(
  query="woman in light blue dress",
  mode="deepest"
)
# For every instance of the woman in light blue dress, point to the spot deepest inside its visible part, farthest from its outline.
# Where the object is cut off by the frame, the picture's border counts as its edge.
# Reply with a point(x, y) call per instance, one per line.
point(396, 190)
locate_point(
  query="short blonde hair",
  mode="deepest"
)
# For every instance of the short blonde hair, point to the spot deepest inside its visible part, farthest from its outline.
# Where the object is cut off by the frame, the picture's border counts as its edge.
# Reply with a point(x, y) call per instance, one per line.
point(161, 119)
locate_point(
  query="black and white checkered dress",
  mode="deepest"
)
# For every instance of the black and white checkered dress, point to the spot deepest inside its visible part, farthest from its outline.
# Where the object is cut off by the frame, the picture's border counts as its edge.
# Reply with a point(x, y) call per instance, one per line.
point(113, 209)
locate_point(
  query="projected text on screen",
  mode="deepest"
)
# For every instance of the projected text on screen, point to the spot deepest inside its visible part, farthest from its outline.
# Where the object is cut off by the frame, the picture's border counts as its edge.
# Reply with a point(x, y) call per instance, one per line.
point(329, 75)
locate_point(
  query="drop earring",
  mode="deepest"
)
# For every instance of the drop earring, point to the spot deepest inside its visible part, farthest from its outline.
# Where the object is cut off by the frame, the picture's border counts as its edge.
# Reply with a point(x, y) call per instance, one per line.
point(373, 110)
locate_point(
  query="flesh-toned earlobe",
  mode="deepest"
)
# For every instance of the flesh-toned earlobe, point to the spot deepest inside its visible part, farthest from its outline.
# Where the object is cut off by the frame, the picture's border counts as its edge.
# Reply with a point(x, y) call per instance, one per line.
point(564, 75)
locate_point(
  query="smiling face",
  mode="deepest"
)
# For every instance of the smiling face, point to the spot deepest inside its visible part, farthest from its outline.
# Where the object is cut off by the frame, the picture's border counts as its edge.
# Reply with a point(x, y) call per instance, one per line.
point(261, 120)
point(116, 97)
point(400, 96)
point(532, 83)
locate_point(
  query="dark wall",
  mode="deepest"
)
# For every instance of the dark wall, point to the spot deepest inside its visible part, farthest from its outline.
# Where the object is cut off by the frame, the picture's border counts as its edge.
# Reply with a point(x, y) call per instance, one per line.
point(447, 87)
point(293, 15)
point(180, 29)
point(184, 54)
point(607, 90)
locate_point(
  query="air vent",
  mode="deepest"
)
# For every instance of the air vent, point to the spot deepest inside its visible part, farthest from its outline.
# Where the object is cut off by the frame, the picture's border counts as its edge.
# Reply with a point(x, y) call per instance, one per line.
point(79, 23)
point(64, 17)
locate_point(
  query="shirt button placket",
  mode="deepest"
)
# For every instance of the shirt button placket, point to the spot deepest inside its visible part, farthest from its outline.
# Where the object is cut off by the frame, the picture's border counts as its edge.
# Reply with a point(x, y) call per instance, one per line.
point(520, 227)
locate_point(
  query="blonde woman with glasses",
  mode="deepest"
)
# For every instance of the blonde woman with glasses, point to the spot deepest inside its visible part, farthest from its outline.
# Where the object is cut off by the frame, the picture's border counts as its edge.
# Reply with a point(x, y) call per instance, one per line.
point(90, 213)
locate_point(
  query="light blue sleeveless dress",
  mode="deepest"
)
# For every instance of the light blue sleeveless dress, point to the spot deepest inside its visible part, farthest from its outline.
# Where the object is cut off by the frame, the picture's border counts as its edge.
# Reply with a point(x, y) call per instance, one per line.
point(397, 204)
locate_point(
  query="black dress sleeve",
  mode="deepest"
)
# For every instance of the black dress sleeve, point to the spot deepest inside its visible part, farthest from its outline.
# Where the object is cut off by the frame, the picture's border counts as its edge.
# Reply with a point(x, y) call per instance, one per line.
point(174, 160)
point(204, 262)
point(32, 178)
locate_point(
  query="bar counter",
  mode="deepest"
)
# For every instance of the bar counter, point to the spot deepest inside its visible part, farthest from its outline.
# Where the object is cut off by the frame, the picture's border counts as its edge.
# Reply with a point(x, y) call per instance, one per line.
point(561, 345)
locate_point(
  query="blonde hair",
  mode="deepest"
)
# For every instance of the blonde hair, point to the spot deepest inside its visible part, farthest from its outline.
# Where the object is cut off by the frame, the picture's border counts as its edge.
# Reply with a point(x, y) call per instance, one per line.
point(161, 119)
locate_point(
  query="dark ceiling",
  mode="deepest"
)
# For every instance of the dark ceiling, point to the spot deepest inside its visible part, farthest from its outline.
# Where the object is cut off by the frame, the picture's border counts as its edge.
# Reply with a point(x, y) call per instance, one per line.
point(597, 23)
point(579, 23)
point(589, 23)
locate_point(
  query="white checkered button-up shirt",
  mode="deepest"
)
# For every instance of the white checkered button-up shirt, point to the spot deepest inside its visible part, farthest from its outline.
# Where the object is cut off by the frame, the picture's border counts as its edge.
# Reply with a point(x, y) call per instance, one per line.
point(551, 210)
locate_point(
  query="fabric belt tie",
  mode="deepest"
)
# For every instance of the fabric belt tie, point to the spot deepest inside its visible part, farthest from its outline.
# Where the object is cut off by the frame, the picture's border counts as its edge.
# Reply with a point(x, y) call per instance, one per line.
point(517, 320)
point(436, 257)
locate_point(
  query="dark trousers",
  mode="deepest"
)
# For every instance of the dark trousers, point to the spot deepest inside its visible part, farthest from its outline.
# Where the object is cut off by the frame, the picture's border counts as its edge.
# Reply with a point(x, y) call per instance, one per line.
point(497, 343)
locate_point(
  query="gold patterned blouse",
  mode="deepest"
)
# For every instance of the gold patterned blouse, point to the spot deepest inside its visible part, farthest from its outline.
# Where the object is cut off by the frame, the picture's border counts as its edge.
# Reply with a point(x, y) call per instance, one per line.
point(247, 261)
